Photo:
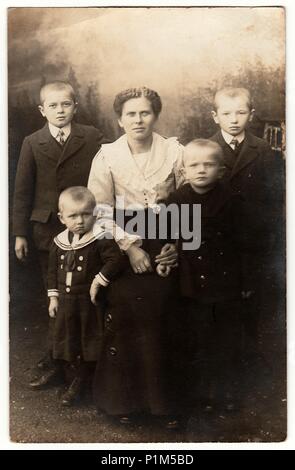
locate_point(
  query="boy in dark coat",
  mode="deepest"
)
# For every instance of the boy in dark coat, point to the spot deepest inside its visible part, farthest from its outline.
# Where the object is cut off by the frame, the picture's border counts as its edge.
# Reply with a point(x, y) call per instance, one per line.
point(252, 170)
point(250, 167)
point(214, 278)
point(81, 262)
point(53, 158)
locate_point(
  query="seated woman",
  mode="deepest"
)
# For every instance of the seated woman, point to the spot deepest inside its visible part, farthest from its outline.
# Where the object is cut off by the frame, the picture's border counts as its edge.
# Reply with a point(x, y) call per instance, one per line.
point(136, 368)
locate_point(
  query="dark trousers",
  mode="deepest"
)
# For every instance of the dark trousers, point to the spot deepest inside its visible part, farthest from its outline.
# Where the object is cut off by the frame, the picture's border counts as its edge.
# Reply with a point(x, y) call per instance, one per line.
point(43, 234)
point(213, 349)
point(43, 262)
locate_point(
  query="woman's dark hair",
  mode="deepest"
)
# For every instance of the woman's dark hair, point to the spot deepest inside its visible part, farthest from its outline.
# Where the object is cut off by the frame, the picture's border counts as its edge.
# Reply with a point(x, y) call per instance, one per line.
point(130, 93)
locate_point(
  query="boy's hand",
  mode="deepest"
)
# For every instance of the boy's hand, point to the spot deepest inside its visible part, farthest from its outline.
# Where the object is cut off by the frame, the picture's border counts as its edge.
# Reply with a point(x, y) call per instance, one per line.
point(168, 255)
point(53, 307)
point(163, 270)
point(21, 248)
point(139, 260)
point(94, 289)
point(246, 294)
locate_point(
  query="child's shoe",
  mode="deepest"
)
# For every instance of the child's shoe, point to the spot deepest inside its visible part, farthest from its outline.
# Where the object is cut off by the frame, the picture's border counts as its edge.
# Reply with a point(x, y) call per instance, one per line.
point(50, 377)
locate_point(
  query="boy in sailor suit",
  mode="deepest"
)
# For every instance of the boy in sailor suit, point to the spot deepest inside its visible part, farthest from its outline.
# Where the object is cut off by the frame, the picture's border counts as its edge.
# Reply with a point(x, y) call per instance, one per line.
point(81, 263)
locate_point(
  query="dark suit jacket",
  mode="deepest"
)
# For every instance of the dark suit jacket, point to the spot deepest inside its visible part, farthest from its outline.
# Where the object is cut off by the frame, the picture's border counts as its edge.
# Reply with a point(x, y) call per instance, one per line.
point(258, 175)
point(44, 170)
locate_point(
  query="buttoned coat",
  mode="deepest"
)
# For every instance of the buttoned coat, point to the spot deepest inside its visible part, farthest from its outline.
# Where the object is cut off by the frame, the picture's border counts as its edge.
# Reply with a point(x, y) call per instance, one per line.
point(44, 170)
point(220, 268)
point(258, 175)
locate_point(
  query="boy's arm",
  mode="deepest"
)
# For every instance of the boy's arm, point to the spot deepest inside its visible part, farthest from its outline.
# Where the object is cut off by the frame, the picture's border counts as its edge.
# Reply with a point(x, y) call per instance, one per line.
point(113, 261)
point(273, 196)
point(24, 190)
point(52, 284)
point(248, 242)
point(273, 173)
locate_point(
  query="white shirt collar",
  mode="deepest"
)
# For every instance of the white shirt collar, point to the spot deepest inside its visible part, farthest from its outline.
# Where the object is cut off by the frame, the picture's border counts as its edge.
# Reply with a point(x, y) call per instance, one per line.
point(228, 138)
point(62, 239)
point(55, 130)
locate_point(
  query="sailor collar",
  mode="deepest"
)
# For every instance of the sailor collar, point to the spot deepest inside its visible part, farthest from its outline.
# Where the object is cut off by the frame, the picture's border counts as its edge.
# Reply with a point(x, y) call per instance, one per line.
point(62, 239)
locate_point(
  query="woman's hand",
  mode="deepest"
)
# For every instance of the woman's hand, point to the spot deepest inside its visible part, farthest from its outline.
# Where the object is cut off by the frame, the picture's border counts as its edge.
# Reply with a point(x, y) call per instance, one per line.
point(139, 260)
point(168, 255)
point(53, 307)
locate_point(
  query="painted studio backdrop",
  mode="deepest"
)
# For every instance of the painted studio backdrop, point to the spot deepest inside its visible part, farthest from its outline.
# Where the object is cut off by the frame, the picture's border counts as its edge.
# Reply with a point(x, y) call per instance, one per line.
point(183, 53)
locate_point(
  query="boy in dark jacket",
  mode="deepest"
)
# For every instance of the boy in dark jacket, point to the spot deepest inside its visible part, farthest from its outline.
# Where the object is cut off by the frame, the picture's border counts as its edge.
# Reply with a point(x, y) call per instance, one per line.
point(51, 159)
point(216, 278)
point(253, 170)
point(250, 167)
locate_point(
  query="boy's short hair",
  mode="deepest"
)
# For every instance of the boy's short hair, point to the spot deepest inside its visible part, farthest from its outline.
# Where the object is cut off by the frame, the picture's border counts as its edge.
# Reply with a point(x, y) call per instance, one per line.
point(77, 194)
point(57, 85)
point(131, 93)
point(233, 92)
point(218, 152)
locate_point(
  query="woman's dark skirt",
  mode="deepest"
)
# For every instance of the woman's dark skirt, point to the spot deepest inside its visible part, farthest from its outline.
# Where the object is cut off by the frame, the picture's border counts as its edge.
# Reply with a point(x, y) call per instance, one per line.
point(138, 364)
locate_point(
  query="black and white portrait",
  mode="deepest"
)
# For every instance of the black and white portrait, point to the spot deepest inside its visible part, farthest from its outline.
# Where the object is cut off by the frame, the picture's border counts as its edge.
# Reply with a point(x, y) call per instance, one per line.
point(146, 151)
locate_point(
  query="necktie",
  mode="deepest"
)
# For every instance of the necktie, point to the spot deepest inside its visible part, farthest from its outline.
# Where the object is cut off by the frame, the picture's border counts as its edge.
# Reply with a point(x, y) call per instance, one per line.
point(69, 261)
point(60, 136)
point(234, 144)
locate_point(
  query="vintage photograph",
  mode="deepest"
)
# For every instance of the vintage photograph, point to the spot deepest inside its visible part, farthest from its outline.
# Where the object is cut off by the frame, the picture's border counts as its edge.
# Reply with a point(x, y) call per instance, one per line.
point(147, 151)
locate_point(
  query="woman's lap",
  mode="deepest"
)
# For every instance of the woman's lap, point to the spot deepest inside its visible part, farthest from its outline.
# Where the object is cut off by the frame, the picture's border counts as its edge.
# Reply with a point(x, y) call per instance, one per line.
point(134, 368)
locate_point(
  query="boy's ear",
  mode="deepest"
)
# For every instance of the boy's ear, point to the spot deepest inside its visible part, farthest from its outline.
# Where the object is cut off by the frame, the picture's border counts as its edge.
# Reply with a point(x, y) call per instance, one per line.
point(59, 214)
point(41, 109)
point(120, 123)
point(214, 115)
point(252, 112)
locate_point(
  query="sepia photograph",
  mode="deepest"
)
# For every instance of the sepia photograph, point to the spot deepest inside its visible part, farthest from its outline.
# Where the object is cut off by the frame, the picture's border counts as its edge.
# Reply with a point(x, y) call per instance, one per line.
point(147, 224)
